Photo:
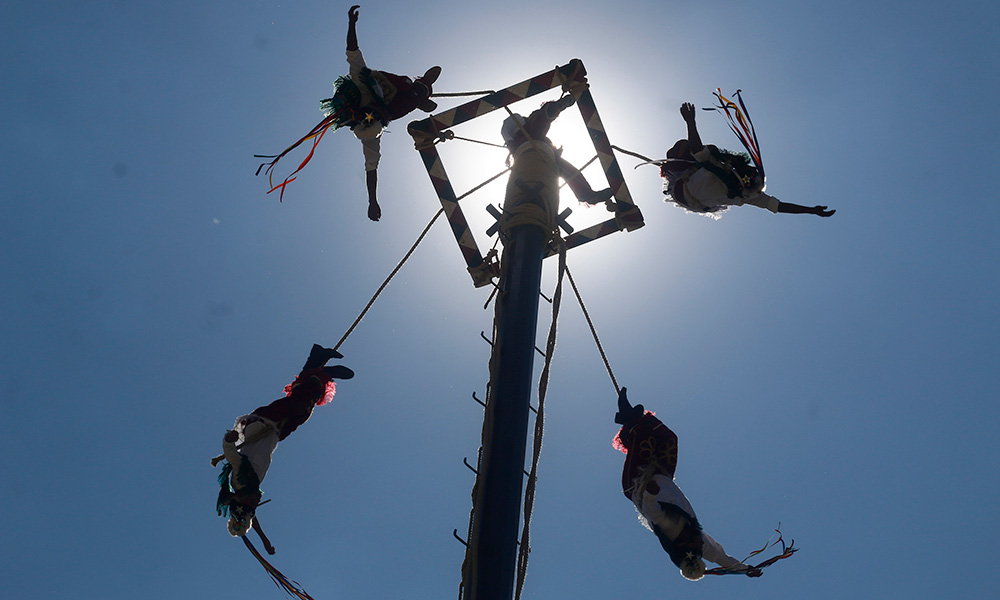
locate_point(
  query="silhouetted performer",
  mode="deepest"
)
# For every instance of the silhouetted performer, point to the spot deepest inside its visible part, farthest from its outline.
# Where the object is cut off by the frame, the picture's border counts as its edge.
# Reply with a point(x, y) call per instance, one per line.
point(384, 97)
point(248, 446)
point(519, 134)
point(706, 179)
point(366, 101)
point(648, 481)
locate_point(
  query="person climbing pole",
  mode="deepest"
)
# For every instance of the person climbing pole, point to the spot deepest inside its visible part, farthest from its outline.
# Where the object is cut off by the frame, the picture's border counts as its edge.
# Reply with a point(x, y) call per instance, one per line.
point(648, 482)
point(366, 100)
point(519, 132)
point(248, 446)
point(706, 179)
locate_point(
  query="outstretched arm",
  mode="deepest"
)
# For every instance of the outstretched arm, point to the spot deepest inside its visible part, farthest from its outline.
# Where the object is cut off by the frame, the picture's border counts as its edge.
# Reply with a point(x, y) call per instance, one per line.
point(553, 108)
point(263, 538)
point(694, 140)
point(797, 209)
point(714, 552)
point(352, 32)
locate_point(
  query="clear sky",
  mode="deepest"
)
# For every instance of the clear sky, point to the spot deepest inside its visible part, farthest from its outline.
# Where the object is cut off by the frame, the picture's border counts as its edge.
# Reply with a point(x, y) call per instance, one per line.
point(838, 376)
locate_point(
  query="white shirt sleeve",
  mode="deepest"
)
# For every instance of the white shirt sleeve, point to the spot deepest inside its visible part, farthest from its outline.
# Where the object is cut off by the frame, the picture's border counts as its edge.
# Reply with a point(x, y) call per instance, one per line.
point(356, 61)
point(763, 200)
point(713, 551)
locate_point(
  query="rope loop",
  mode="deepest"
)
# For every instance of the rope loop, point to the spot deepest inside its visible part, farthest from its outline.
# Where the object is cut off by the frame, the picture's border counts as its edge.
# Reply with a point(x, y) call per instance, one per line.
point(570, 83)
point(423, 140)
point(528, 213)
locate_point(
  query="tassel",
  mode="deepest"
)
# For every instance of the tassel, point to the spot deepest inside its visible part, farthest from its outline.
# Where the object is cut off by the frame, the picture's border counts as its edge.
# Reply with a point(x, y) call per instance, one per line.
point(742, 126)
point(757, 570)
point(292, 588)
point(316, 135)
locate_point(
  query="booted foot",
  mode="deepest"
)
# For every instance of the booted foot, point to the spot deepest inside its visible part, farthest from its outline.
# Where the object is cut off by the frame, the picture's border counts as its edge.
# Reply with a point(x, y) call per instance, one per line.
point(431, 75)
point(627, 412)
point(338, 372)
point(319, 353)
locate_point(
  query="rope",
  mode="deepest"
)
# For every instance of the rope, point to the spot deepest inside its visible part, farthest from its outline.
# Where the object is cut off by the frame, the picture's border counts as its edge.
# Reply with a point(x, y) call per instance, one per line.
point(389, 278)
point(635, 154)
point(456, 94)
point(543, 384)
point(526, 214)
point(448, 134)
point(593, 331)
point(465, 139)
point(483, 184)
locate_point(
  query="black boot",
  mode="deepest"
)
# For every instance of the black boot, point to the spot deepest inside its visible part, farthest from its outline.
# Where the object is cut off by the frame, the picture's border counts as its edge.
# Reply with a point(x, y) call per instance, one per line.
point(318, 357)
point(627, 412)
point(338, 372)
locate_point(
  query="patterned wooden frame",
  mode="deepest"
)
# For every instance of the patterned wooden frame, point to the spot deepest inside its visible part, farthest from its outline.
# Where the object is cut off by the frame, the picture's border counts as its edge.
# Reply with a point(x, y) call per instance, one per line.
point(572, 77)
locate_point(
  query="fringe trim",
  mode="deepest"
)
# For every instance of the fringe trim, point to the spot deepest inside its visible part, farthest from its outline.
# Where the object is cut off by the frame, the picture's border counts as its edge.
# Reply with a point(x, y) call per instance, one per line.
point(290, 587)
point(757, 570)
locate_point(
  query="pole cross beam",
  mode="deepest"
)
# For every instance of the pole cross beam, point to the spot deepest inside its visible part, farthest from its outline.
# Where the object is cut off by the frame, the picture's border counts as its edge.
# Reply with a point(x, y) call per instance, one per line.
point(572, 77)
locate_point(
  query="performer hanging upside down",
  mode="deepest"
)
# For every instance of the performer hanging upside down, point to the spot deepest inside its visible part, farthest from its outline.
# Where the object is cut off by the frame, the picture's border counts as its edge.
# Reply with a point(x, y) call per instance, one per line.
point(384, 97)
point(518, 132)
point(648, 481)
point(248, 446)
point(366, 100)
point(706, 179)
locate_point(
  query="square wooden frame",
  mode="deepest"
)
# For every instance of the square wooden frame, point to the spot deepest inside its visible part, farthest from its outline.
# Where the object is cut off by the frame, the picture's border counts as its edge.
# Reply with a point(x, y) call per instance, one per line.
point(572, 77)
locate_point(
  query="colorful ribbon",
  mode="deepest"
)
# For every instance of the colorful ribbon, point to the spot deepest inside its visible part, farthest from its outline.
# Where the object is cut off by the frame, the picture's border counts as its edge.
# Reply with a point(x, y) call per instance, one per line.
point(316, 135)
point(292, 588)
point(742, 126)
point(756, 570)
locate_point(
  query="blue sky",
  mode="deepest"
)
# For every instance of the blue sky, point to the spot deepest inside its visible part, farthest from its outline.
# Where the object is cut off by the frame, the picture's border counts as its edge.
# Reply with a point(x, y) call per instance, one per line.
point(838, 376)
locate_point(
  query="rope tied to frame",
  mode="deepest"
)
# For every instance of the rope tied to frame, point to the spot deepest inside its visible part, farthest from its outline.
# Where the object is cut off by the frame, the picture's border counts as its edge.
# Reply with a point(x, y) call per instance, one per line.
point(528, 213)
point(422, 139)
point(458, 94)
point(571, 83)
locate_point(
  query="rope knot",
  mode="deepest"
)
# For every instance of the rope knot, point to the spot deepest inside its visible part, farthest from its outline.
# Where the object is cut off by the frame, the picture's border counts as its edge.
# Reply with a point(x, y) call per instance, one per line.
point(575, 82)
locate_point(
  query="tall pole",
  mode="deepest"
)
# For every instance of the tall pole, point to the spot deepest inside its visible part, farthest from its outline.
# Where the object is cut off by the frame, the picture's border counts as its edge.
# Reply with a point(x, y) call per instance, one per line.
point(498, 504)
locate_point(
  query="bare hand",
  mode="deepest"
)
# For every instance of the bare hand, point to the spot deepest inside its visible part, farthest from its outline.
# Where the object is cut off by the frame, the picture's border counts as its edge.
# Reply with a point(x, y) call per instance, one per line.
point(822, 211)
point(231, 437)
point(352, 13)
point(687, 112)
point(374, 211)
point(269, 548)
